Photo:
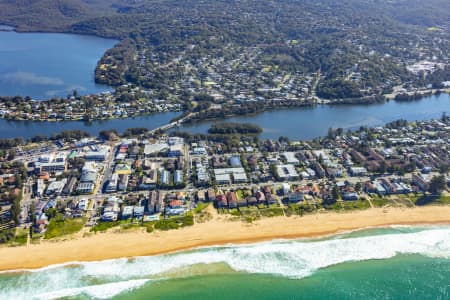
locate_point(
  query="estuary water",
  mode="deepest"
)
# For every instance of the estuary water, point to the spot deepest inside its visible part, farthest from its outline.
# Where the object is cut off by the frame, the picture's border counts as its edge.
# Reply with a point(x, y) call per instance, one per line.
point(44, 65)
point(398, 262)
point(303, 123)
point(306, 123)
point(28, 129)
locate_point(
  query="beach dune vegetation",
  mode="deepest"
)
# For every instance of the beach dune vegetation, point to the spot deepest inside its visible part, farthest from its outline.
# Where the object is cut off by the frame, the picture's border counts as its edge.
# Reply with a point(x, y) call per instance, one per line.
point(59, 226)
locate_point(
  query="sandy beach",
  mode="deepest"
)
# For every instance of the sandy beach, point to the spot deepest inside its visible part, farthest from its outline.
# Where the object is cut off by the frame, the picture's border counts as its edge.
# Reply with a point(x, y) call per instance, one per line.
point(218, 231)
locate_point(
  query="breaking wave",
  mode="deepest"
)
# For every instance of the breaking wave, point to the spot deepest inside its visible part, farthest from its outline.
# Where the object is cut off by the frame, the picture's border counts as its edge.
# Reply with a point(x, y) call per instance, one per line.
point(294, 259)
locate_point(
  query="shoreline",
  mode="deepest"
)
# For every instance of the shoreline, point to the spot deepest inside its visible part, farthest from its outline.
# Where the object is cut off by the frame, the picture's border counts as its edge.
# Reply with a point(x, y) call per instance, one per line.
point(335, 102)
point(218, 232)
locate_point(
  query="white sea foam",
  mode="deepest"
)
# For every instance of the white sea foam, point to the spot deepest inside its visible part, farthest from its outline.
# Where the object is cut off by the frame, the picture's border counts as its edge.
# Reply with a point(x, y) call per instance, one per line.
point(103, 291)
point(293, 259)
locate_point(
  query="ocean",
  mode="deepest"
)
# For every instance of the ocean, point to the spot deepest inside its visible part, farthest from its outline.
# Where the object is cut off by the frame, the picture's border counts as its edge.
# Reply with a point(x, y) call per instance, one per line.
point(397, 262)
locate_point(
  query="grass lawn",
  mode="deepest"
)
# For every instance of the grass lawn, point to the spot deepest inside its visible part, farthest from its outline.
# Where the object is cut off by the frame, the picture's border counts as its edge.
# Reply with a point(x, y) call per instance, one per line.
point(58, 228)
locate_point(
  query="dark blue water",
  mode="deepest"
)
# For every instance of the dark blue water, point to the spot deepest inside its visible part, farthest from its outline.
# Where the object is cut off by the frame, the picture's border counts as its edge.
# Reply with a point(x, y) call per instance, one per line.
point(28, 129)
point(311, 122)
point(299, 123)
point(43, 65)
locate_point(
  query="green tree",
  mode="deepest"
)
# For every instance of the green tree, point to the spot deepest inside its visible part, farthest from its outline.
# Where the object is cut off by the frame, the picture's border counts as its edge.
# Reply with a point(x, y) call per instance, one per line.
point(51, 213)
point(11, 154)
point(335, 193)
point(32, 214)
point(437, 185)
point(330, 134)
point(16, 210)
point(444, 168)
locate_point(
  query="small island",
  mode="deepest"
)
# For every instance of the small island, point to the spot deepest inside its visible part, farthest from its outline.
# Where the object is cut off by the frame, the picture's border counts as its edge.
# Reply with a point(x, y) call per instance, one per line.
point(234, 128)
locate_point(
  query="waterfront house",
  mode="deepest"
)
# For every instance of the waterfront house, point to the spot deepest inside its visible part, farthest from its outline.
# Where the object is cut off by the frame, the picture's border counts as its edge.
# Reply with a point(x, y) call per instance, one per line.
point(349, 195)
point(155, 202)
point(242, 202)
point(211, 195)
point(138, 212)
point(421, 181)
point(252, 200)
point(221, 201)
point(232, 199)
point(295, 197)
point(127, 212)
point(201, 196)
point(175, 204)
point(260, 197)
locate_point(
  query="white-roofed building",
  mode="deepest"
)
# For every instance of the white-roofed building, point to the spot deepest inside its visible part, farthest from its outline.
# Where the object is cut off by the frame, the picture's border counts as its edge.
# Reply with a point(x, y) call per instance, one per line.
point(290, 158)
point(100, 155)
point(237, 174)
point(154, 149)
point(56, 187)
point(287, 172)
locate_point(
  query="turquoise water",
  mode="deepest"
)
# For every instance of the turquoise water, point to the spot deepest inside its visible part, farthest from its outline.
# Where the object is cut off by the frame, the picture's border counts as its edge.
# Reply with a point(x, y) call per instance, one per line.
point(397, 262)
point(402, 277)
point(43, 65)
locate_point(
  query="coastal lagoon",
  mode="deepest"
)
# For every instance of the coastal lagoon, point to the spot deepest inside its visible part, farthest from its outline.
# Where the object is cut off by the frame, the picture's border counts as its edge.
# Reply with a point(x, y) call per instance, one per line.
point(307, 123)
point(296, 123)
point(44, 65)
point(28, 129)
point(397, 262)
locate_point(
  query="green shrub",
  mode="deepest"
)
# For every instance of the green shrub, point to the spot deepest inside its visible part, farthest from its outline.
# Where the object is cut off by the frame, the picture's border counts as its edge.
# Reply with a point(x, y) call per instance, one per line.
point(103, 226)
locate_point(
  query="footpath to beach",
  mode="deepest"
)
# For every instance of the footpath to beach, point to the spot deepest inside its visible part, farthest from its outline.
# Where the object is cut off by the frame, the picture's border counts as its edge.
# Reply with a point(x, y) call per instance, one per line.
point(218, 231)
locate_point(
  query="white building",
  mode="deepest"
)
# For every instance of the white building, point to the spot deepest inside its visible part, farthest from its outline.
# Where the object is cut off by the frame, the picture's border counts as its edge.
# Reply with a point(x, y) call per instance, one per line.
point(290, 158)
point(287, 172)
point(224, 176)
point(100, 155)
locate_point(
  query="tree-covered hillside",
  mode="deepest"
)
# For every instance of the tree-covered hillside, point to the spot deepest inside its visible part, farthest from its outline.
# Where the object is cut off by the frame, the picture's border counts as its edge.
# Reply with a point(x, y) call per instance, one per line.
point(358, 47)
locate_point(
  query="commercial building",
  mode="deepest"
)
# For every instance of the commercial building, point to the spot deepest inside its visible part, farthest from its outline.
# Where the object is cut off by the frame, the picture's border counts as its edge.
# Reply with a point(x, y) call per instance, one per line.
point(178, 177)
point(225, 175)
point(290, 158)
point(111, 186)
point(100, 155)
point(287, 172)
